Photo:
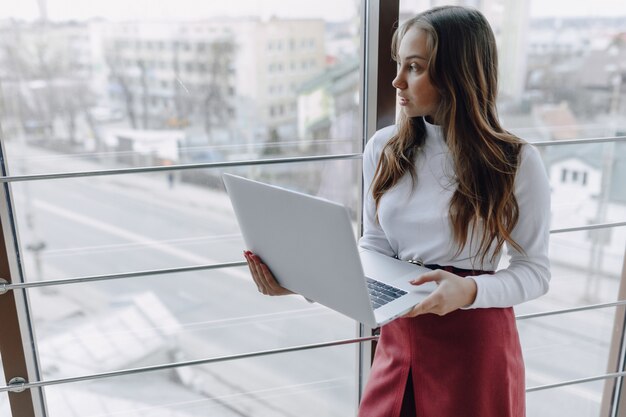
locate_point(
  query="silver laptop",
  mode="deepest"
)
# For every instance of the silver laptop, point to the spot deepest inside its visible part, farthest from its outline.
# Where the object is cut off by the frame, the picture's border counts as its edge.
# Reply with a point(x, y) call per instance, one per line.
point(309, 245)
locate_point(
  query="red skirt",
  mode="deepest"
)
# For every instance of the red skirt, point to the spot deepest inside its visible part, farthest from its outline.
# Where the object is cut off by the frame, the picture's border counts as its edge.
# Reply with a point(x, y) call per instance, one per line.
point(467, 363)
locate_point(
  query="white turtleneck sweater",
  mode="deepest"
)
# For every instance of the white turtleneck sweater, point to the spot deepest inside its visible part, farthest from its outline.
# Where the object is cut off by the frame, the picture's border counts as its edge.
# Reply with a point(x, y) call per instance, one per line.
point(414, 221)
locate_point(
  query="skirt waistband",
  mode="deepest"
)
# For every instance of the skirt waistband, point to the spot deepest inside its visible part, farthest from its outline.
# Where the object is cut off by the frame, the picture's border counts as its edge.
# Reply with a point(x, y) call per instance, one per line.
point(458, 271)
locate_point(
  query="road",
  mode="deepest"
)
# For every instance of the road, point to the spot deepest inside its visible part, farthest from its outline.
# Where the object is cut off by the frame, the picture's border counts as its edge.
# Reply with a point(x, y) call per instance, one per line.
point(104, 225)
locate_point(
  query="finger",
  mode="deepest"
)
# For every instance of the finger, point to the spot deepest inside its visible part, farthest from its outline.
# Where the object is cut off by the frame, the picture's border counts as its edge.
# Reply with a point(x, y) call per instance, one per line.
point(257, 275)
point(430, 304)
point(265, 277)
point(412, 313)
point(433, 276)
point(274, 287)
point(251, 265)
point(249, 261)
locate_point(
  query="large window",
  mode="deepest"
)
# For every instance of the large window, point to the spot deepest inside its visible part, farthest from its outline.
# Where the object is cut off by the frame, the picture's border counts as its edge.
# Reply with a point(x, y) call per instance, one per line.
point(563, 77)
point(148, 100)
point(117, 120)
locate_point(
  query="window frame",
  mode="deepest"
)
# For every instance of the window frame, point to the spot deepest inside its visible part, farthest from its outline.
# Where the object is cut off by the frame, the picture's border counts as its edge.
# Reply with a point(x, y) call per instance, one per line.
point(378, 18)
point(16, 325)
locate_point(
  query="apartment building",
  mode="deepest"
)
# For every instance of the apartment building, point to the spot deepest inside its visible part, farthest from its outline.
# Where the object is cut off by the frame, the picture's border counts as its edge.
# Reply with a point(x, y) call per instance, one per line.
point(234, 78)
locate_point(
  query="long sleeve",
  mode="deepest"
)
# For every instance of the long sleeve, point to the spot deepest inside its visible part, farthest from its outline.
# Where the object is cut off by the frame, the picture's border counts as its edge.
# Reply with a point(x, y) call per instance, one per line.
point(374, 238)
point(414, 221)
point(528, 274)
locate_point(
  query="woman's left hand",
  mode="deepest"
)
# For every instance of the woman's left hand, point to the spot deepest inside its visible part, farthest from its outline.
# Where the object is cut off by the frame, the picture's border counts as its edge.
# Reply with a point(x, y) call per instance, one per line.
point(452, 293)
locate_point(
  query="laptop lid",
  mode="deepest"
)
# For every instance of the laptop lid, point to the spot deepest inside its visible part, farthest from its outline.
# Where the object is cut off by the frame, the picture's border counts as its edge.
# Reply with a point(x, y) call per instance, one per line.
point(307, 242)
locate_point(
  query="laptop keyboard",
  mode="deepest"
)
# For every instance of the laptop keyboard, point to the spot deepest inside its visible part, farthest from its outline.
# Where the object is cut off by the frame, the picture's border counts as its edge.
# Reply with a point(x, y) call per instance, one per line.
point(381, 294)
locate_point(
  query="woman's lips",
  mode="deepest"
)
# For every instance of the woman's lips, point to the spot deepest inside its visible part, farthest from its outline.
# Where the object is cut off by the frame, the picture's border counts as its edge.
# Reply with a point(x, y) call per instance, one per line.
point(402, 101)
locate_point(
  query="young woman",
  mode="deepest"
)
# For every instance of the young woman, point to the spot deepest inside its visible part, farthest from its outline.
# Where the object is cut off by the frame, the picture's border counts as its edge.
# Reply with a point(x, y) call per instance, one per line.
point(448, 187)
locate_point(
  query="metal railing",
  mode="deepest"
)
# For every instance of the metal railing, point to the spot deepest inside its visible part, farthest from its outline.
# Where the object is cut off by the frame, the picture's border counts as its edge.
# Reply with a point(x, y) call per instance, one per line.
point(270, 161)
point(5, 286)
point(579, 141)
point(21, 385)
point(18, 384)
point(206, 165)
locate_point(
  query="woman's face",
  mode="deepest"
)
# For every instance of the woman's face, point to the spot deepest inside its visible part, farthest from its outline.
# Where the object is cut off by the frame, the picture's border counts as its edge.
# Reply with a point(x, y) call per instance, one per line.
point(416, 94)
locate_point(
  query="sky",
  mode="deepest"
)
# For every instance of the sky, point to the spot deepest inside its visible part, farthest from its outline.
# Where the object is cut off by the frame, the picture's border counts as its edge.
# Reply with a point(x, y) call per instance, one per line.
point(332, 10)
point(183, 9)
point(543, 8)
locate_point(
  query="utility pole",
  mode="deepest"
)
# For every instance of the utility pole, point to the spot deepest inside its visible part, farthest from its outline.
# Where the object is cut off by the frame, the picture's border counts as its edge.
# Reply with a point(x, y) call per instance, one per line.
point(600, 237)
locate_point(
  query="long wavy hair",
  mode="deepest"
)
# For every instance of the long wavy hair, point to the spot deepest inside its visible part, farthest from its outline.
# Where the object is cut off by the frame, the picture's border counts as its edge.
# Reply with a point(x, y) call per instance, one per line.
point(463, 67)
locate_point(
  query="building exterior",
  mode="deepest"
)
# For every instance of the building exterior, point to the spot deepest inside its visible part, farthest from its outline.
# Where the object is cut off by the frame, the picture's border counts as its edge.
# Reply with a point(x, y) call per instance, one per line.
point(237, 78)
point(325, 99)
point(587, 183)
point(171, 75)
point(274, 59)
point(46, 75)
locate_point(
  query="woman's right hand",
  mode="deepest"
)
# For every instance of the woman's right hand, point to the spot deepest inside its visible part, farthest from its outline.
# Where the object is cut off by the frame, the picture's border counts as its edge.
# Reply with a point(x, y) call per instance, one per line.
point(263, 277)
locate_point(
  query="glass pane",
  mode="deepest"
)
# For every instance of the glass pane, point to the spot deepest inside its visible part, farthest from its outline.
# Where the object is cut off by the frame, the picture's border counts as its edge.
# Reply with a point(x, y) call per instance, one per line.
point(5, 409)
point(587, 185)
point(137, 222)
point(180, 83)
point(580, 400)
point(91, 328)
point(121, 85)
point(562, 72)
point(553, 344)
point(584, 270)
point(102, 225)
point(562, 77)
point(310, 383)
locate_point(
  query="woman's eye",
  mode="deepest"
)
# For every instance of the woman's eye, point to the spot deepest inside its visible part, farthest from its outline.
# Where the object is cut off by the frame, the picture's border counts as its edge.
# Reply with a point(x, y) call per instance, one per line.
point(414, 67)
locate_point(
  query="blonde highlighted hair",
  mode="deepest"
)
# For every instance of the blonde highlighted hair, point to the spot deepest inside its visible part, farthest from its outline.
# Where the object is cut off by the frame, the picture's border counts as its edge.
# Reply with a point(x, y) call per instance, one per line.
point(463, 67)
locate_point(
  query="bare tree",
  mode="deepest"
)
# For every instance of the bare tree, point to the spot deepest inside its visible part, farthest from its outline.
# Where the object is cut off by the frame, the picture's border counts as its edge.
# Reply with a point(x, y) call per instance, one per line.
point(215, 104)
point(183, 102)
point(115, 64)
point(44, 82)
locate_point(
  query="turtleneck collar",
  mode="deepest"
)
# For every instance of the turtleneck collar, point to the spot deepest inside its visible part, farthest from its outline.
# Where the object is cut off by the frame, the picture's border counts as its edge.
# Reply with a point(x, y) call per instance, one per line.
point(433, 131)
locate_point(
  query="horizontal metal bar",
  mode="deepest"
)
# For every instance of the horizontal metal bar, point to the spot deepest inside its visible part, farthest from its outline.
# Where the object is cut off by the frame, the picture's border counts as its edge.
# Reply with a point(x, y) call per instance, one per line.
point(589, 227)
point(38, 384)
point(576, 381)
point(18, 286)
point(140, 170)
point(570, 310)
point(579, 141)
point(4, 287)
point(7, 287)
point(207, 165)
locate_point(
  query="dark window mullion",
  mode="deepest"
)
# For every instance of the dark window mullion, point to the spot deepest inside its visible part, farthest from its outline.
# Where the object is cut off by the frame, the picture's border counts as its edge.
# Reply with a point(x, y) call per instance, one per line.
point(379, 108)
point(16, 337)
point(614, 393)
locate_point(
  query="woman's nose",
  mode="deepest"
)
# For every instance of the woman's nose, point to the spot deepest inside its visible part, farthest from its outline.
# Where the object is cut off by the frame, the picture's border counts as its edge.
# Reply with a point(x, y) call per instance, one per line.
point(398, 82)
